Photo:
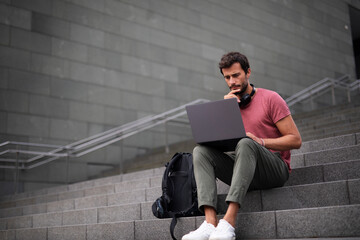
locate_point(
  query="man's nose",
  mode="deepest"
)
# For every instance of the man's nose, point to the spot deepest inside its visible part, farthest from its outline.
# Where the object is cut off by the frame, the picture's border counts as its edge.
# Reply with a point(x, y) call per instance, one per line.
point(232, 80)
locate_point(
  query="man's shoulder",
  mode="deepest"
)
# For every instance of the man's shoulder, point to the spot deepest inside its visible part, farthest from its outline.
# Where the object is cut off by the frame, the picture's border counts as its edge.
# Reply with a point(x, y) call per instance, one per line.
point(267, 92)
point(270, 95)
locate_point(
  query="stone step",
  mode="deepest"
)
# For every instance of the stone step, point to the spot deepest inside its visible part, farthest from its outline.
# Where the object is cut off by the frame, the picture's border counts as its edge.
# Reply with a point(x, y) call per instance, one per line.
point(323, 122)
point(323, 173)
point(325, 156)
point(31, 205)
point(348, 116)
point(332, 134)
point(332, 111)
point(340, 221)
point(316, 174)
point(292, 197)
point(328, 143)
point(96, 187)
point(330, 238)
point(300, 176)
point(117, 189)
point(87, 184)
point(322, 144)
point(85, 188)
point(328, 122)
point(134, 196)
point(95, 202)
point(102, 213)
point(299, 196)
point(336, 222)
point(101, 196)
point(334, 129)
point(330, 130)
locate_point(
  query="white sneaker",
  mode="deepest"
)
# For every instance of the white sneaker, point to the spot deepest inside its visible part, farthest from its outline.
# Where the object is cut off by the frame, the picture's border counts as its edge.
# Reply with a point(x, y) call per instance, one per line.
point(202, 233)
point(223, 231)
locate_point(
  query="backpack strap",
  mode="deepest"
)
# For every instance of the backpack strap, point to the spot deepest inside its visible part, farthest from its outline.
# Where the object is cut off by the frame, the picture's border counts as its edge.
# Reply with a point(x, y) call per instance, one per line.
point(172, 226)
point(193, 183)
point(175, 216)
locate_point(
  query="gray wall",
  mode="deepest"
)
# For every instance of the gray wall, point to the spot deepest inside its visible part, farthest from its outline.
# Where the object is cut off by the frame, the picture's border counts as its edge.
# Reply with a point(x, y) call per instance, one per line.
point(73, 68)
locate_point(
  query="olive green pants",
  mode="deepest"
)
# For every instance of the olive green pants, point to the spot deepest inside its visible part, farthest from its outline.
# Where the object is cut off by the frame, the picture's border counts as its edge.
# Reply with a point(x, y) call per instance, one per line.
point(250, 167)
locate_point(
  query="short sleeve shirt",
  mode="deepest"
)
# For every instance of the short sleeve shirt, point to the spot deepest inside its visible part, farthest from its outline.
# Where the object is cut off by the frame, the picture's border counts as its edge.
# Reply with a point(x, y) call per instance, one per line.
point(262, 113)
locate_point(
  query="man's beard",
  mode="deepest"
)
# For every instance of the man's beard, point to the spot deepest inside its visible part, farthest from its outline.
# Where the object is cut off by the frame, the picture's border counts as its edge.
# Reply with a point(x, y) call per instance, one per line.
point(242, 88)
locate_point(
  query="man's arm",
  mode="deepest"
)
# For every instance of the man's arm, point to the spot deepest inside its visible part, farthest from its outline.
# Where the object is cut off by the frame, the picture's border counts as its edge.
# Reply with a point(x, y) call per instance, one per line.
point(290, 139)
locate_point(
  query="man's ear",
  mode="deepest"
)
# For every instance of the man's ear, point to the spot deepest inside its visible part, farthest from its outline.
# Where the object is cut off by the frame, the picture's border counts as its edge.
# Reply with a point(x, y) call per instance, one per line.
point(248, 72)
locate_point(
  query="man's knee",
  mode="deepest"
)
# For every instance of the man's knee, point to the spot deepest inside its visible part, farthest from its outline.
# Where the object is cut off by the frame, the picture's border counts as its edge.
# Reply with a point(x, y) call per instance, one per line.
point(197, 152)
point(197, 149)
point(246, 143)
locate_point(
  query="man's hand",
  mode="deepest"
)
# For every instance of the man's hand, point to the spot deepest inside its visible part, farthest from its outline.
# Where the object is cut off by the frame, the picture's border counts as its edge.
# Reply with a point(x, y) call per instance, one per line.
point(231, 94)
point(290, 138)
point(255, 138)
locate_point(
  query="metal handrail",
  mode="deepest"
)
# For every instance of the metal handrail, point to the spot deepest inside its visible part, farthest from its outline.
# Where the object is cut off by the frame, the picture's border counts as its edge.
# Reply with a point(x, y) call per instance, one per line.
point(354, 85)
point(321, 87)
point(97, 141)
point(92, 143)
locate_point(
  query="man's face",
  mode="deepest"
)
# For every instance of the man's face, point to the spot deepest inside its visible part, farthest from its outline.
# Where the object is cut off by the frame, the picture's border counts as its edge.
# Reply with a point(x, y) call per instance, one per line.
point(236, 78)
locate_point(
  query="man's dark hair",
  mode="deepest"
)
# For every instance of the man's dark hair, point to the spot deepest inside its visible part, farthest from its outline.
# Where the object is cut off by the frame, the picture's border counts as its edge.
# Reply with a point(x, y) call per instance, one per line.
point(233, 57)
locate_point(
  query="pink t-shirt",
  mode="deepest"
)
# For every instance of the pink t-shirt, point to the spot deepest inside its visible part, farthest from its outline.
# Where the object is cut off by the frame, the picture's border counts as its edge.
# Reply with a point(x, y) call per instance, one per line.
point(260, 115)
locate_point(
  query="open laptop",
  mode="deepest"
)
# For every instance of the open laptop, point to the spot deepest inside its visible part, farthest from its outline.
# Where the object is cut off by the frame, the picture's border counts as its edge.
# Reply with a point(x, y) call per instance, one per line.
point(217, 124)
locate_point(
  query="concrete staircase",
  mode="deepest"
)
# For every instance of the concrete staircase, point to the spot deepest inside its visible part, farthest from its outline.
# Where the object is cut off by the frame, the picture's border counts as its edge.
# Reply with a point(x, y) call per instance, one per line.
point(321, 199)
point(317, 124)
point(328, 122)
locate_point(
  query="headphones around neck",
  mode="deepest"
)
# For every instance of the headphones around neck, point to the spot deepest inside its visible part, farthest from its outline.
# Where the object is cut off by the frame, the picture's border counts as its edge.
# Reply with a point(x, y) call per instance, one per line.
point(246, 98)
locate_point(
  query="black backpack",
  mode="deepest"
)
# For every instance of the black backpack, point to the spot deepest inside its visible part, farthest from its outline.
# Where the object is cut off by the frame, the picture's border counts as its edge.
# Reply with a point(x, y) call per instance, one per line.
point(179, 193)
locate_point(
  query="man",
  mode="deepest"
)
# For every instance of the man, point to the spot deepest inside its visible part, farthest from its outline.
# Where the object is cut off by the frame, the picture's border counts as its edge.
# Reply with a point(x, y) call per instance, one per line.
point(260, 161)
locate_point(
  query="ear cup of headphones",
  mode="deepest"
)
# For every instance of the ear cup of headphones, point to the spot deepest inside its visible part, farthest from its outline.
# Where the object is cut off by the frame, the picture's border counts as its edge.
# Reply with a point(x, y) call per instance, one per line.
point(246, 98)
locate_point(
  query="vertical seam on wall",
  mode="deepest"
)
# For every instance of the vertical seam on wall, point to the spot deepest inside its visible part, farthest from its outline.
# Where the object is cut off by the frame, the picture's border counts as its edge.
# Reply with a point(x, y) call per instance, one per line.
point(134, 229)
point(356, 139)
point(141, 217)
point(348, 191)
point(276, 225)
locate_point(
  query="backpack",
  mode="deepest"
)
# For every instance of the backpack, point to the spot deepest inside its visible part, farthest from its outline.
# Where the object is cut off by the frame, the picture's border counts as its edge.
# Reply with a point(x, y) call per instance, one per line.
point(179, 192)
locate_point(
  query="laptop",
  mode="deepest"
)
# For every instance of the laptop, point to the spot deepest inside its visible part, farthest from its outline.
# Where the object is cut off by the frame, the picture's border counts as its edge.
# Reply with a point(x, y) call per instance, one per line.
point(217, 124)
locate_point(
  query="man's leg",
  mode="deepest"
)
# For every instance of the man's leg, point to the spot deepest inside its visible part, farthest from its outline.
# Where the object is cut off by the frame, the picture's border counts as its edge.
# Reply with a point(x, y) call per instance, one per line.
point(231, 213)
point(210, 215)
point(208, 163)
point(251, 166)
point(255, 167)
point(205, 176)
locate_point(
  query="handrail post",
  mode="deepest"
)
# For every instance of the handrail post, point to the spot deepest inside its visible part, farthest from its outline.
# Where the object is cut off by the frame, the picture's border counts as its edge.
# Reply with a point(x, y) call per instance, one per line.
point(121, 156)
point(333, 95)
point(312, 103)
point(167, 149)
point(16, 175)
point(67, 167)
